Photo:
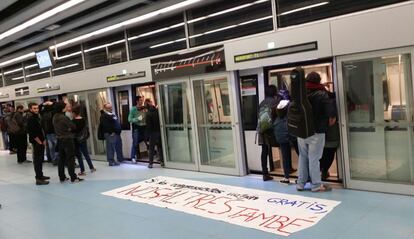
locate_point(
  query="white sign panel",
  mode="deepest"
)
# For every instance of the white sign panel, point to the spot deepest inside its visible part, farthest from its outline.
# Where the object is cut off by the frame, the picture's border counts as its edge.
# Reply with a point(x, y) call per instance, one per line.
point(277, 213)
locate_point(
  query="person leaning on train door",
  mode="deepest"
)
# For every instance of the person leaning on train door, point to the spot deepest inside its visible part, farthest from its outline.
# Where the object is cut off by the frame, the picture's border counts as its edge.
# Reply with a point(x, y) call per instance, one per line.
point(136, 117)
point(311, 148)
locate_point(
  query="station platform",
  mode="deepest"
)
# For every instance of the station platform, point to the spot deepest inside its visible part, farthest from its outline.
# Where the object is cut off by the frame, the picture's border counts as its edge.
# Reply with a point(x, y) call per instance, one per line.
point(65, 210)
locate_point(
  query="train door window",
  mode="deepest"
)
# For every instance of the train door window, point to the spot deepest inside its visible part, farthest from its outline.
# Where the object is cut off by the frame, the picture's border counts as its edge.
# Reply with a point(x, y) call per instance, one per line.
point(146, 91)
point(250, 101)
point(123, 109)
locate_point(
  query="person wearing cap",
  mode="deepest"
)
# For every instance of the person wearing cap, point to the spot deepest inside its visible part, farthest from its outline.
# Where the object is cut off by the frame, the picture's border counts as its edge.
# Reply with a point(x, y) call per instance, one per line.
point(284, 139)
point(311, 148)
point(64, 130)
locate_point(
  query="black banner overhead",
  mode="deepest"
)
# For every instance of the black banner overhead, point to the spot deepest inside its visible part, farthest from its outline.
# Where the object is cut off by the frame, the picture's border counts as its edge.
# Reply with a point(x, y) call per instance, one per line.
point(193, 63)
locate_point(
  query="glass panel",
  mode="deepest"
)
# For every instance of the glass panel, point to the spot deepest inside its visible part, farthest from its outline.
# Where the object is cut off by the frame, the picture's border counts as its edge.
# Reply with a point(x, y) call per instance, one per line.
point(379, 111)
point(1, 79)
point(105, 50)
point(32, 71)
point(293, 12)
point(13, 74)
point(250, 101)
point(158, 37)
point(214, 123)
point(123, 109)
point(177, 122)
point(67, 60)
point(96, 101)
point(225, 20)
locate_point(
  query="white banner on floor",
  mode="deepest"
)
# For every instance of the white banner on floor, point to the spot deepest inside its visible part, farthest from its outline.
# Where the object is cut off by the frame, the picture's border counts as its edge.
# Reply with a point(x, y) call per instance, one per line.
point(273, 212)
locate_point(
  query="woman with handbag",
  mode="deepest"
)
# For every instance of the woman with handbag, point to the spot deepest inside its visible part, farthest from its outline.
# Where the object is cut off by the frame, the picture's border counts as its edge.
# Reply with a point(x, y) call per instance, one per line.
point(81, 137)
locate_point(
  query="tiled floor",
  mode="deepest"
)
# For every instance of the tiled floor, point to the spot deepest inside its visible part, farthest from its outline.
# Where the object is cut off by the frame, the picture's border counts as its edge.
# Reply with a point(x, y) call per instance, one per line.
point(66, 210)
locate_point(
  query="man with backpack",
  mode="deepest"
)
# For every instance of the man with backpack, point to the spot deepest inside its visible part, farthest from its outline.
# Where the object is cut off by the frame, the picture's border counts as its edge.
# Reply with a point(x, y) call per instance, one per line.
point(17, 128)
point(9, 112)
point(267, 115)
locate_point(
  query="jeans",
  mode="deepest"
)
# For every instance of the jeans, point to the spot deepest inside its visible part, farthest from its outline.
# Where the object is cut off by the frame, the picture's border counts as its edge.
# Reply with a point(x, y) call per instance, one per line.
point(38, 157)
point(286, 151)
point(113, 144)
point(155, 139)
point(51, 143)
point(66, 158)
point(82, 149)
point(138, 135)
point(310, 151)
point(5, 140)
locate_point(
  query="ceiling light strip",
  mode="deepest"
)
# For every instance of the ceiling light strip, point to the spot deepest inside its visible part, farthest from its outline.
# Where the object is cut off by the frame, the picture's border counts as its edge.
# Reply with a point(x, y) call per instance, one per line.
point(128, 22)
point(40, 18)
point(304, 8)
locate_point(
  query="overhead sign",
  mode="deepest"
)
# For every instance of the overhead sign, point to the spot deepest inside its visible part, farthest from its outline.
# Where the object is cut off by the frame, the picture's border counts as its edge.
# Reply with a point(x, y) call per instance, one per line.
point(22, 91)
point(127, 76)
point(193, 63)
point(277, 213)
point(310, 46)
point(4, 96)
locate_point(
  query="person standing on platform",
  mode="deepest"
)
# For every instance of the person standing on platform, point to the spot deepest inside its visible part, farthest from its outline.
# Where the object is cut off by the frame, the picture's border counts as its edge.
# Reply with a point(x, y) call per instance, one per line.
point(81, 138)
point(64, 133)
point(111, 128)
point(152, 121)
point(137, 118)
point(266, 117)
point(18, 129)
point(47, 113)
point(311, 148)
point(38, 141)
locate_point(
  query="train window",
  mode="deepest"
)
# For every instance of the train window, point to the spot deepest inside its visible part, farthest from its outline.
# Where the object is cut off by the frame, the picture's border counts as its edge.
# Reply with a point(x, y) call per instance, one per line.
point(13, 74)
point(225, 20)
point(105, 50)
point(165, 35)
point(250, 101)
point(33, 72)
point(67, 60)
point(293, 12)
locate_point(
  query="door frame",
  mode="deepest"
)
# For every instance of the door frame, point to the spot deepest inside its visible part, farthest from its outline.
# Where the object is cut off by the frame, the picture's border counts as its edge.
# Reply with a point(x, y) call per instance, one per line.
point(240, 168)
point(388, 187)
point(176, 165)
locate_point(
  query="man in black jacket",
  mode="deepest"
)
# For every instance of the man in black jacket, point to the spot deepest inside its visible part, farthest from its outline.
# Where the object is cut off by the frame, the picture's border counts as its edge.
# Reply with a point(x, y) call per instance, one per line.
point(311, 148)
point(64, 132)
point(20, 136)
point(112, 131)
point(37, 139)
point(152, 121)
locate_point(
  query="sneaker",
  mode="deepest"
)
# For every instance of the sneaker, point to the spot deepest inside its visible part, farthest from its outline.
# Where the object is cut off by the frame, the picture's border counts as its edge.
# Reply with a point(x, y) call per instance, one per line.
point(76, 180)
point(285, 180)
point(150, 165)
point(45, 178)
point(133, 160)
point(267, 177)
point(93, 170)
point(322, 188)
point(41, 182)
point(81, 174)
